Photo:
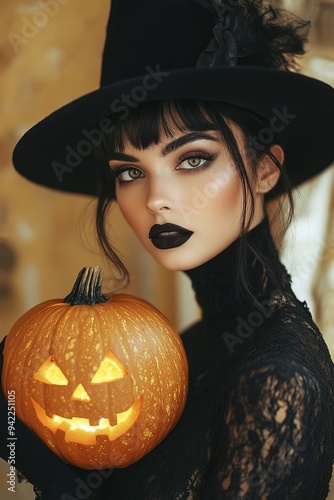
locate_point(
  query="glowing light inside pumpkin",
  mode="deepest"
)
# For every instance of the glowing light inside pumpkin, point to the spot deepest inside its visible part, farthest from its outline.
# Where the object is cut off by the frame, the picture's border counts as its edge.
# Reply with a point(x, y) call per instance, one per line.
point(50, 373)
point(79, 430)
point(109, 370)
point(80, 394)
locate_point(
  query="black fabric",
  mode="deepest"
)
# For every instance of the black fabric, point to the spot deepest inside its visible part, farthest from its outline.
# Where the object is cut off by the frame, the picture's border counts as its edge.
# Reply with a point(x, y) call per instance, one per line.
point(258, 422)
point(153, 39)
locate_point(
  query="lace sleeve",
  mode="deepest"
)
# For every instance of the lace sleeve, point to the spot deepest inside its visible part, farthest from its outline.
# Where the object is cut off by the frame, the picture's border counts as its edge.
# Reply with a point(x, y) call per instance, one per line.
point(278, 437)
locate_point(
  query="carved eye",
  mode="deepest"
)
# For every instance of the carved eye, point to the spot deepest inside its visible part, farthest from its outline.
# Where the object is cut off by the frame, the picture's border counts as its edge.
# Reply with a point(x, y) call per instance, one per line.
point(109, 370)
point(50, 373)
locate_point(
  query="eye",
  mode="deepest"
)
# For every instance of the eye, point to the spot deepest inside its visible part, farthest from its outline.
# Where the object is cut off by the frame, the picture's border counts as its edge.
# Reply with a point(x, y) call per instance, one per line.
point(195, 161)
point(129, 174)
point(110, 369)
point(50, 373)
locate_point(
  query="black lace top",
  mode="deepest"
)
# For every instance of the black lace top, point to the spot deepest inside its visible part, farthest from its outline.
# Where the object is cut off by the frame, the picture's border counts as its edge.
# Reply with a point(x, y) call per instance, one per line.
point(259, 418)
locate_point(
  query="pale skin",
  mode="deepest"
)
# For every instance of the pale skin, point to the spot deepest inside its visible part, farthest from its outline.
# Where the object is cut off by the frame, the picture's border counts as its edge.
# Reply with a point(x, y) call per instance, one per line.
point(189, 180)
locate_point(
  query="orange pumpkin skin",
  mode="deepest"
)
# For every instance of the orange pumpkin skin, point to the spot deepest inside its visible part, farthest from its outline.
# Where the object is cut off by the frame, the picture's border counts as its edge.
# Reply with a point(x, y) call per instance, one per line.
point(138, 393)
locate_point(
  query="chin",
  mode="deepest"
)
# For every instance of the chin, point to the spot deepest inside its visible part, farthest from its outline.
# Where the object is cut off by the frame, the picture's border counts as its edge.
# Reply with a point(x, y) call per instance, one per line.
point(183, 258)
point(173, 262)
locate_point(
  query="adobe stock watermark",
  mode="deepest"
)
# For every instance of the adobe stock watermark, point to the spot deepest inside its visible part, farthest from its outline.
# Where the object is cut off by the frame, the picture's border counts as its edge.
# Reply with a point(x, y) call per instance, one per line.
point(94, 137)
point(266, 136)
point(201, 198)
point(11, 440)
point(85, 488)
point(30, 27)
point(255, 318)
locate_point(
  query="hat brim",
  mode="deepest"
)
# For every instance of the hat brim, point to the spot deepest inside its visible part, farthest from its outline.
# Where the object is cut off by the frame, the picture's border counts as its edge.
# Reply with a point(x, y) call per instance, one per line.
point(58, 151)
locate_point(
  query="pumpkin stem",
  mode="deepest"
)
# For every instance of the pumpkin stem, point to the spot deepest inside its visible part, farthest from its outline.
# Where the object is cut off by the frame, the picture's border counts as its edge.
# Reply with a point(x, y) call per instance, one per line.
point(87, 289)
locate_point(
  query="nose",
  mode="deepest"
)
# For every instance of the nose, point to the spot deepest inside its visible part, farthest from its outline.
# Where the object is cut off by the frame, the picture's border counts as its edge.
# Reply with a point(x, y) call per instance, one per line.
point(159, 196)
point(80, 394)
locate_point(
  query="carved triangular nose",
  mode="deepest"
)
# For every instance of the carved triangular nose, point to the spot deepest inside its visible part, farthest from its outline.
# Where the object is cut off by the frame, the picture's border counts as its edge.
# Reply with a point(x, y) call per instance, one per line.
point(80, 394)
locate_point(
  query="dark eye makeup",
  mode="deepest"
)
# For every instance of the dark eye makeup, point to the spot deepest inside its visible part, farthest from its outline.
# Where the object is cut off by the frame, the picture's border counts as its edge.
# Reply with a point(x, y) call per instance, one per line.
point(193, 161)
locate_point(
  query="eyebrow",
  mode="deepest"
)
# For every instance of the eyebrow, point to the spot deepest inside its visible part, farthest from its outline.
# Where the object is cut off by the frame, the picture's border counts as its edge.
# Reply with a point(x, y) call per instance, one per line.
point(122, 157)
point(169, 148)
point(185, 139)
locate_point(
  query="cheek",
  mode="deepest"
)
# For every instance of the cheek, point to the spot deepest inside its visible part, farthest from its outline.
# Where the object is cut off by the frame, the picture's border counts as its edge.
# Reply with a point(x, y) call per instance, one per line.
point(224, 199)
point(231, 195)
point(130, 209)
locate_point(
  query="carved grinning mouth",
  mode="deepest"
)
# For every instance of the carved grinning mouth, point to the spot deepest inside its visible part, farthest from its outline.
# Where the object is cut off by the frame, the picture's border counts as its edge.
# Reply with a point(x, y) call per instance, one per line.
point(79, 430)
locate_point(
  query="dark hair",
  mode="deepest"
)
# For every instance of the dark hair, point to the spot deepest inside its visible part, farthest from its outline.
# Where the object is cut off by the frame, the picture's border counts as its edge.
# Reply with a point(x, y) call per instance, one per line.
point(143, 127)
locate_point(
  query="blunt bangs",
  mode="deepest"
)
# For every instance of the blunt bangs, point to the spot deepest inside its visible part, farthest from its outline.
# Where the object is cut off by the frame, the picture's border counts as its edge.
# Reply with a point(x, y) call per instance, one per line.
point(147, 124)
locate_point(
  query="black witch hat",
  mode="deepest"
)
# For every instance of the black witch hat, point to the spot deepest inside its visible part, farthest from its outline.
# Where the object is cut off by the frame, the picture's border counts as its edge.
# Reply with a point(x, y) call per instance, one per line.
point(235, 51)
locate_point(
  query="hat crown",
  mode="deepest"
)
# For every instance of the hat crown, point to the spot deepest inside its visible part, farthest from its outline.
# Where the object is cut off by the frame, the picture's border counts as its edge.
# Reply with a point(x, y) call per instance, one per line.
point(163, 34)
point(168, 35)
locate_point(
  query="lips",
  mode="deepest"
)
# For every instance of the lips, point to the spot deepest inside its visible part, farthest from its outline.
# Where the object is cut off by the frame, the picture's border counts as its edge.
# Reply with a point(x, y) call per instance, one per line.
point(164, 236)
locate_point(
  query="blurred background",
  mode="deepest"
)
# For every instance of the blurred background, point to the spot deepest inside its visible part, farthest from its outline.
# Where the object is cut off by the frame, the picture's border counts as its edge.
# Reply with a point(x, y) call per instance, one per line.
point(49, 57)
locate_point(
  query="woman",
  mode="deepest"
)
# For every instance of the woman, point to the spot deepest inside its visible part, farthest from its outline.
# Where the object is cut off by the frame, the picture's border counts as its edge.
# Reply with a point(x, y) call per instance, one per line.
point(196, 132)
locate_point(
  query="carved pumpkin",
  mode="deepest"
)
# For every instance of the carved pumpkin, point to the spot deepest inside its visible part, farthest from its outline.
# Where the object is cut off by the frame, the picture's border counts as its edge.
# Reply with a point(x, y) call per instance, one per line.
point(100, 379)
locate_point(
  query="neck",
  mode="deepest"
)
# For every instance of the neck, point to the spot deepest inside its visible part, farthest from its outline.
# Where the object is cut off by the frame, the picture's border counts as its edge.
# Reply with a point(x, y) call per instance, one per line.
point(219, 289)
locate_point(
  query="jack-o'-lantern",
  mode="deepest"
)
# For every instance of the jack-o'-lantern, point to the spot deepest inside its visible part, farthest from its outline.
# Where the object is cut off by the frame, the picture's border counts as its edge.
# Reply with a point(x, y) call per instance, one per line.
point(101, 379)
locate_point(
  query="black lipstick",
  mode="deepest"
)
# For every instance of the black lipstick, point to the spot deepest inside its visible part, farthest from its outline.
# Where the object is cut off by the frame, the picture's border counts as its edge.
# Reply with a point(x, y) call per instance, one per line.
point(164, 236)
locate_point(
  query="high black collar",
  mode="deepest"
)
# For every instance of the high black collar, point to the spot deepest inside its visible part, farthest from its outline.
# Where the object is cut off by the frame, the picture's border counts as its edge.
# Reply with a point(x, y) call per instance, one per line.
point(216, 282)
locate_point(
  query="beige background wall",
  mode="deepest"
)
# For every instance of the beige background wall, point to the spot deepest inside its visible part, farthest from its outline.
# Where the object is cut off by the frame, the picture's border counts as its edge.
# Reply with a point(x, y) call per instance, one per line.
point(48, 59)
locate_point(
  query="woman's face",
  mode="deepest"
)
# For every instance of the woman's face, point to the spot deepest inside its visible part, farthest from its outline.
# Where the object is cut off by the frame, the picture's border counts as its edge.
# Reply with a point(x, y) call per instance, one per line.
point(183, 197)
